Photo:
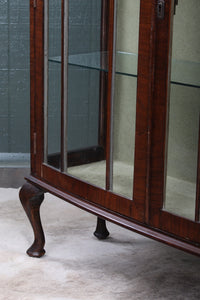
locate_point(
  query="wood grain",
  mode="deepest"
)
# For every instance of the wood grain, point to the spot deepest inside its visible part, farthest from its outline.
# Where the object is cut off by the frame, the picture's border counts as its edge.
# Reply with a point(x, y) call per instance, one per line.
point(145, 214)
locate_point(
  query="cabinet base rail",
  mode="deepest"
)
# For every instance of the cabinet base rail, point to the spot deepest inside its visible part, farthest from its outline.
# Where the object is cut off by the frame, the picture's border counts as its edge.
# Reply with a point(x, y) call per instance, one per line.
point(32, 195)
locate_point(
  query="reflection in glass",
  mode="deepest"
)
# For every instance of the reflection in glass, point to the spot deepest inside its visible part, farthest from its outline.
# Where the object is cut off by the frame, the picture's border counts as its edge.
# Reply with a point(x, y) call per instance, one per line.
point(84, 93)
point(184, 112)
point(87, 67)
point(52, 81)
point(124, 102)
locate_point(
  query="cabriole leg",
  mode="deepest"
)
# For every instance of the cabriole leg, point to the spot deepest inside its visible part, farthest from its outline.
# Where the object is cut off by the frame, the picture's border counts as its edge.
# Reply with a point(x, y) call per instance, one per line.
point(31, 198)
point(101, 231)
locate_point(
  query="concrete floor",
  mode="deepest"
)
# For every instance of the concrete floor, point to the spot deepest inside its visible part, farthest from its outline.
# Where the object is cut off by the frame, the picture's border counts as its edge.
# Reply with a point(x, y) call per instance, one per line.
point(13, 176)
point(78, 266)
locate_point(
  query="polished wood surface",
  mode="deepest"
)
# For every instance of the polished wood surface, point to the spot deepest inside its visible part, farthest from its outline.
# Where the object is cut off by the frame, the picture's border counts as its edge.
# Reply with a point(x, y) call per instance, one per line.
point(78, 158)
point(119, 219)
point(145, 86)
point(144, 214)
point(159, 218)
point(103, 75)
point(111, 9)
point(31, 198)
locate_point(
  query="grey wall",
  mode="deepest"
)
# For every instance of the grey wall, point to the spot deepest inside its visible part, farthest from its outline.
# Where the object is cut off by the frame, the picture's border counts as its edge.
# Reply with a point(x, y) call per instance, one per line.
point(14, 92)
point(14, 76)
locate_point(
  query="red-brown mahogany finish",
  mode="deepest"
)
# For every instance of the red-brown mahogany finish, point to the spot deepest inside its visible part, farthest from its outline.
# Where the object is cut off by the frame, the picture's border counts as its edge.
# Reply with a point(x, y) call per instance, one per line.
point(146, 66)
point(37, 76)
point(109, 93)
point(31, 198)
point(179, 227)
point(33, 84)
point(103, 74)
point(144, 214)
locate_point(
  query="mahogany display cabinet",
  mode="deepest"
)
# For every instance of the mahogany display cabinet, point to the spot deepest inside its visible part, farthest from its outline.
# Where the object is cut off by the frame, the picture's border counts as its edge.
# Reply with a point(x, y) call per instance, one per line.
point(115, 102)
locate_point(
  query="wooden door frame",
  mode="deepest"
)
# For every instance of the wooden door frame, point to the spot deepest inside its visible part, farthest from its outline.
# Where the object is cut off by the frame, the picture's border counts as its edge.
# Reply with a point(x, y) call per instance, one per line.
point(179, 227)
point(144, 214)
point(133, 209)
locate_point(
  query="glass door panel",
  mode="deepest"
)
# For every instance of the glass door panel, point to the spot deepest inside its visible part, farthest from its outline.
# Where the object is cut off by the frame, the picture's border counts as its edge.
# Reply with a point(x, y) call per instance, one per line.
point(75, 90)
point(182, 197)
point(52, 81)
point(124, 95)
point(86, 63)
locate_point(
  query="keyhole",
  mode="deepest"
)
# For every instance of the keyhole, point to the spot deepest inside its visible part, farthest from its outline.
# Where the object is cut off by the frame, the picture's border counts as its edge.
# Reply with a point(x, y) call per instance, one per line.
point(160, 9)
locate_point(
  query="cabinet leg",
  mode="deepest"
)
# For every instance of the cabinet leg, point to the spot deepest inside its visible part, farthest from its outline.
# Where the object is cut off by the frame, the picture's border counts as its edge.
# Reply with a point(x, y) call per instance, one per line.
point(101, 231)
point(31, 198)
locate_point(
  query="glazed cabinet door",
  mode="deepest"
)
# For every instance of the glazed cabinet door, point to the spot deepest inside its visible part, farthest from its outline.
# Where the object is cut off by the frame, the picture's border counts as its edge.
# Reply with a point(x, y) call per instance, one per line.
point(175, 150)
point(91, 74)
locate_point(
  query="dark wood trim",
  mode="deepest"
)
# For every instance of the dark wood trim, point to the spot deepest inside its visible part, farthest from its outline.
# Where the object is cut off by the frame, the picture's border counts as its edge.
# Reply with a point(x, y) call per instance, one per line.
point(197, 207)
point(145, 214)
point(78, 157)
point(62, 155)
point(145, 85)
point(160, 102)
point(180, 227)
point(38, 114)
point(167, 222)
point(118, 219)
point(109, 93)
point(103, 74)
point(92, 193)
point(33, 84)
point(31, 198)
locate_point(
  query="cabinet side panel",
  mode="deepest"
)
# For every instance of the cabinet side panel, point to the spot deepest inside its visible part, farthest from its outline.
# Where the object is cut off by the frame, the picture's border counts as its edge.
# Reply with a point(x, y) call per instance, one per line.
point(38, 133)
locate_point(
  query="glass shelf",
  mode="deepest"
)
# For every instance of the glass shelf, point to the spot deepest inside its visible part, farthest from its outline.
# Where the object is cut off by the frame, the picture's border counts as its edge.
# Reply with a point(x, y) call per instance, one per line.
point(126, 63)
point(90, 60)
point(183, 72)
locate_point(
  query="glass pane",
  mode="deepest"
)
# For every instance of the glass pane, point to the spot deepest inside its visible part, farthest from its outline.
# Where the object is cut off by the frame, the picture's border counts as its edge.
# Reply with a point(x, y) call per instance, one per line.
point(52, 81)
point(124, 102)
point(84, 93)
point(184, 111)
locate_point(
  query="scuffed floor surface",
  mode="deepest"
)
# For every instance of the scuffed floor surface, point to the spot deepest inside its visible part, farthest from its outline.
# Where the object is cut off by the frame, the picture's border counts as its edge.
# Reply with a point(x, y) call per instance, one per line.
point(78, 266)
